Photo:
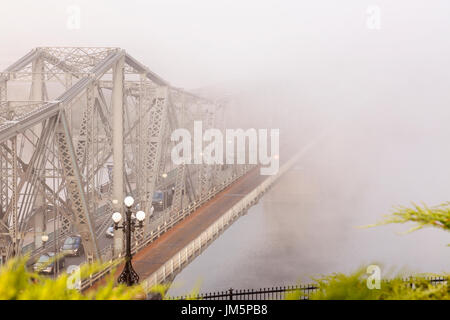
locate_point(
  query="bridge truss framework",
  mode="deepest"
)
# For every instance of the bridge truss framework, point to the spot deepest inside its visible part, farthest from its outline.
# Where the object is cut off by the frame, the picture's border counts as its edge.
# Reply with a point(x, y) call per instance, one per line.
point(82, 127)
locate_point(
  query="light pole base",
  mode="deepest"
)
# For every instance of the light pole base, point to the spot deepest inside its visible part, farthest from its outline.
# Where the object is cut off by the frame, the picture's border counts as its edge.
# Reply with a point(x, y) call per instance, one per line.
point(128, 275)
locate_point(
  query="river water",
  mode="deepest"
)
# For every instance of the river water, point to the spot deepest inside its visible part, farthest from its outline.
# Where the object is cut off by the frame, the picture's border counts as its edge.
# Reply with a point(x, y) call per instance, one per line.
point(307, 224)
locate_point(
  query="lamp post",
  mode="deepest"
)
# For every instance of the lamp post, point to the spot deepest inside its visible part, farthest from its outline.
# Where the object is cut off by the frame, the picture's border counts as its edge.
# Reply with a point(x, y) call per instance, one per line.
point(128, 275)
point(44, 239)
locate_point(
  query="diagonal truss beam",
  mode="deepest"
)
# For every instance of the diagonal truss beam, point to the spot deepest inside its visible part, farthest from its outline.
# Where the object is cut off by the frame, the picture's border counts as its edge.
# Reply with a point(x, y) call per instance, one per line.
point(75, 189)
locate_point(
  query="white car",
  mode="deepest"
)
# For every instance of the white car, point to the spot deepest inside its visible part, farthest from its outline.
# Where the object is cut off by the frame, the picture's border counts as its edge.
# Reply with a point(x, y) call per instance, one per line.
point(110, 232)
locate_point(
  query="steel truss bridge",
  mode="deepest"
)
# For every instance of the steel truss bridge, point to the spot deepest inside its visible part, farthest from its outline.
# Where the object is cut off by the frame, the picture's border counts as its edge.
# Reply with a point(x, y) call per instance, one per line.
point(80, 128)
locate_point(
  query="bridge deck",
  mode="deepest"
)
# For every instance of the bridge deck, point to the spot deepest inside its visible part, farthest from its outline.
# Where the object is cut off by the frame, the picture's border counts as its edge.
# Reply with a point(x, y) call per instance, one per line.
point(152, 257)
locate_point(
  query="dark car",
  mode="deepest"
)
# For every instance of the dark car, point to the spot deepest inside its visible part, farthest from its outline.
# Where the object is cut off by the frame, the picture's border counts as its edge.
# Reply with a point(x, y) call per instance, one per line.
point(72, 246)
point(162, 199)
point(158, 200)
point(47, 263)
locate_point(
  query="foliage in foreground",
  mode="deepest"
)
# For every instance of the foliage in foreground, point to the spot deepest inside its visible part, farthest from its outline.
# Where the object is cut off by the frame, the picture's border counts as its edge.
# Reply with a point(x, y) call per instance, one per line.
point(19, 283)
point(354, 287)
point(422, 216)
point(339, 286)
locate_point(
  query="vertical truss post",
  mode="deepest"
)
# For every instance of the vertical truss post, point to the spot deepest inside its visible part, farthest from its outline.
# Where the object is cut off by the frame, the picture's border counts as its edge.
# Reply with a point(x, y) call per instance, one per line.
point(3, 180)
point(85, 151)
point(92, 143)
point(220, 124)
point(37, 82)
point(68, 83)
point(140, 137)
point(6, 201)
point(117, 102)
point(207, 170)
point(85, 134)
point(15, 197)
point(39, 218)
point(37, 94)
point(179, 189)
point(3, 90)
point(154, 144)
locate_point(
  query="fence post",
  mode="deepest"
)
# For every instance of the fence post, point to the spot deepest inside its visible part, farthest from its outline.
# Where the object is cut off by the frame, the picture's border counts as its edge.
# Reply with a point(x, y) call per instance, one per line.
point(230, 293)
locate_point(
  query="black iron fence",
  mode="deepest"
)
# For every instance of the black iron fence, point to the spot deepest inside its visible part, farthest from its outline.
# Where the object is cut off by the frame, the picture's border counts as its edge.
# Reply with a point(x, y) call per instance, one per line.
point(299, 292)
point(411, 281)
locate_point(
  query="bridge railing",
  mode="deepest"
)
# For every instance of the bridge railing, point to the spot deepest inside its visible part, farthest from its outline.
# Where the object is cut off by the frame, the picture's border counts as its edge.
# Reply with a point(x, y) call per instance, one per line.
point(107, 253)
point(107, 258)
point(171, 219)
point(35, 253)
point(175, 264)
point(195, 247)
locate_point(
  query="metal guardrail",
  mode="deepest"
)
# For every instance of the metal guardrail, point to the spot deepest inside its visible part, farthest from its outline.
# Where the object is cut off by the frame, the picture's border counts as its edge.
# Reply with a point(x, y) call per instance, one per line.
point(101, 218)
point(49, 246)
point(106, 255)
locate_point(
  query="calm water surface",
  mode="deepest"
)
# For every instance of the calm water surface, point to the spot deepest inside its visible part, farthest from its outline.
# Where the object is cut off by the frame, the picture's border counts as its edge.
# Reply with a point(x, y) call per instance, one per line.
point(307, 224)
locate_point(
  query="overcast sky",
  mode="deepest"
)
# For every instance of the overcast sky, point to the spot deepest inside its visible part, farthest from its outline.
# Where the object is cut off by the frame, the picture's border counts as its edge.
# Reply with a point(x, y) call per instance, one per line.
point(320, 57)
point(207, 42)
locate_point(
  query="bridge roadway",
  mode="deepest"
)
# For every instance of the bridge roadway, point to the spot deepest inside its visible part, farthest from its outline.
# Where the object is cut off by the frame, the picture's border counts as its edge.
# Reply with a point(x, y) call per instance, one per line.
point(149, 261)
point(151, 258)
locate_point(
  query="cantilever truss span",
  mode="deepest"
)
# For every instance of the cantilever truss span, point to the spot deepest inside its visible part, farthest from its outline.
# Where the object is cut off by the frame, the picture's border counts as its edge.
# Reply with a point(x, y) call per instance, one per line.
point(79, 129)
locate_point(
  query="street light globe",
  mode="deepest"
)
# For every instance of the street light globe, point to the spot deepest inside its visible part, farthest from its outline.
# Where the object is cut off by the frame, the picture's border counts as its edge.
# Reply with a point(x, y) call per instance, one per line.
point(116, 217)
point(44, 238)
point(128, 201)
point(140, 215)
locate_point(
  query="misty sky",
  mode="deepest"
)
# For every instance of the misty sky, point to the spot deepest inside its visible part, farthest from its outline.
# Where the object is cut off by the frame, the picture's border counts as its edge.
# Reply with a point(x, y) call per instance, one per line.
point(203, 42)
point(302, 64)
point(298, 64)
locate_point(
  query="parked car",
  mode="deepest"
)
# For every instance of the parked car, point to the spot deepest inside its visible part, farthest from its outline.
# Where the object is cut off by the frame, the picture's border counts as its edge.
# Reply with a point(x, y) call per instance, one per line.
point(110, 232)
point(47, 263)
point(72, 246)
